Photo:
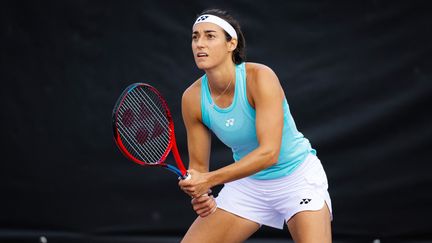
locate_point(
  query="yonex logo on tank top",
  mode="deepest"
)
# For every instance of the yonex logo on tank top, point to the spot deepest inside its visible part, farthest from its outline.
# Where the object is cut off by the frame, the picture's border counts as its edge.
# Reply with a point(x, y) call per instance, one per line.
point(229, 122)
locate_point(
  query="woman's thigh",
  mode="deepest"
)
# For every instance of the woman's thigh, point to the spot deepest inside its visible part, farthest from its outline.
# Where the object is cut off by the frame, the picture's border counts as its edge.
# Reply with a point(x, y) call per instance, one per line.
point(221, 226)
point(311, 226)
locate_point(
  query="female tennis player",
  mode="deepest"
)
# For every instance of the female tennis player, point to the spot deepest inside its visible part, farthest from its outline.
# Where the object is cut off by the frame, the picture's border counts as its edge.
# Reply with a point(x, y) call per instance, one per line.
point(277, 177)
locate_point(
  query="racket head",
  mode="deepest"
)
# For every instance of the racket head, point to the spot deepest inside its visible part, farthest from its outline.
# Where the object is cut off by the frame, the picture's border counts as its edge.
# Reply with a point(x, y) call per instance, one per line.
point(143, 127)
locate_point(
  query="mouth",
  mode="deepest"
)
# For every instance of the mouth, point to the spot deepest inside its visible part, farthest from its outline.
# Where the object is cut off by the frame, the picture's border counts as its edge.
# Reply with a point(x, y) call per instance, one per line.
point(202, 54)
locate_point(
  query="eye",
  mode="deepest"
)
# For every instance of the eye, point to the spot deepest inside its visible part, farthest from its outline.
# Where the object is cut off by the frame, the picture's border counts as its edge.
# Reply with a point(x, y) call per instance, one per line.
point(211, 36)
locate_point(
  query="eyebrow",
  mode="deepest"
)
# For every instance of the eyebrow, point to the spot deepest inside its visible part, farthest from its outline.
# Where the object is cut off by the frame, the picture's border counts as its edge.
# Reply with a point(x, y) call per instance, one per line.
point(205, 31)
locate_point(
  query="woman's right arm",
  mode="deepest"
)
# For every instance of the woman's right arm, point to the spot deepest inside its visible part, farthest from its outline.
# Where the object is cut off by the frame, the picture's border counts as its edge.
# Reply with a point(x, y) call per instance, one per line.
point(199, 144)
point(198, 136)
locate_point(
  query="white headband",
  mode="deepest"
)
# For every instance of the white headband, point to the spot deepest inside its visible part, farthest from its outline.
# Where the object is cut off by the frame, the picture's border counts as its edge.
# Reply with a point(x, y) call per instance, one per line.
point(217, 21)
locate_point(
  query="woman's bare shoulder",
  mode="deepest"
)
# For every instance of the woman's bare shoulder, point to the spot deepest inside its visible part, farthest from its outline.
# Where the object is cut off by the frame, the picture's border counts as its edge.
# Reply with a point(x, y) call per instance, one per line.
point(191, 99)
point(257, 73)
point(257, 68)
point(193, 91)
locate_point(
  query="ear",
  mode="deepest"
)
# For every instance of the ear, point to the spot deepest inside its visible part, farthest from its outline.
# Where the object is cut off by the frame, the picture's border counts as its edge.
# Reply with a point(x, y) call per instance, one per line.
point(232, 45)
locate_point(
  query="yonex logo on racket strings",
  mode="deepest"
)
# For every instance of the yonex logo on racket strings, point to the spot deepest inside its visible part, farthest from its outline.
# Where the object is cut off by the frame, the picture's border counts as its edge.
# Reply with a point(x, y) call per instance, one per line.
point(152, 129)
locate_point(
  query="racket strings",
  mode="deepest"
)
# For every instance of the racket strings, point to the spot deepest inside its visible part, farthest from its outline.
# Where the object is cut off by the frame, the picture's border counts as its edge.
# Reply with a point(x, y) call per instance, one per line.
point(137, 128)
point(149, 153)
point(162, 124)
point(138, 151)
point(132, 134)
point(145, 127)
point(142, 123)
point(158, 113)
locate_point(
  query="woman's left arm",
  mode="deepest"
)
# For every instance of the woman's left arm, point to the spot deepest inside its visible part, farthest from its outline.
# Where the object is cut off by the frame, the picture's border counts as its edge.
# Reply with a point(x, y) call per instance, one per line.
point(267, 98)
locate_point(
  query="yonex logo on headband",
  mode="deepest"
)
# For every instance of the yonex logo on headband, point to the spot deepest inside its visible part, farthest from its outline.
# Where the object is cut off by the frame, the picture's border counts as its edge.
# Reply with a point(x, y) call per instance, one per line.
point(202, 18)
point(208, 18)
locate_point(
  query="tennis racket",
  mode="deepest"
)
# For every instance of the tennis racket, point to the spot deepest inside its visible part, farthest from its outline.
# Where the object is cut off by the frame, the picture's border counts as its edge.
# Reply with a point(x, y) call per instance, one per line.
point(144, 129)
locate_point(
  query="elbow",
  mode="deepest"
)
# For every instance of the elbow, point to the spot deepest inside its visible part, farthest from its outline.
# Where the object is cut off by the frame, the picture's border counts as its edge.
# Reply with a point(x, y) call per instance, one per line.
point(274, 159)
point(271, 156)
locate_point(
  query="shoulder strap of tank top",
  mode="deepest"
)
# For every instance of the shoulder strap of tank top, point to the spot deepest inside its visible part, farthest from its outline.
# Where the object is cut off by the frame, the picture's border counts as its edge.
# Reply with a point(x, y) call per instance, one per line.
point(204, 101)
point(243, 99)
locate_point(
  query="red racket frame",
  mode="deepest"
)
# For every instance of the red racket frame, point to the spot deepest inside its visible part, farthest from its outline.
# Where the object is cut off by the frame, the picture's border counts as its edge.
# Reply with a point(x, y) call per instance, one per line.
point(172, 146)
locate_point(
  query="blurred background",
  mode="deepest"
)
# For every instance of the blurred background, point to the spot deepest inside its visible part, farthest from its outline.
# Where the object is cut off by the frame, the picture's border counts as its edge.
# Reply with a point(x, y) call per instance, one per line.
point(357, 76)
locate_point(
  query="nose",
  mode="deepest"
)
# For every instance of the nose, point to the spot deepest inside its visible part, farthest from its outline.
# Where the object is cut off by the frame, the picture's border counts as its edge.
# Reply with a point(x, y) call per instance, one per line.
point(199, 42)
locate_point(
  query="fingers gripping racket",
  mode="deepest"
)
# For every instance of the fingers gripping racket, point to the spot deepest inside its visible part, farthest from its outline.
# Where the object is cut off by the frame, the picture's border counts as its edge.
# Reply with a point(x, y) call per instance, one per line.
point(144, 129)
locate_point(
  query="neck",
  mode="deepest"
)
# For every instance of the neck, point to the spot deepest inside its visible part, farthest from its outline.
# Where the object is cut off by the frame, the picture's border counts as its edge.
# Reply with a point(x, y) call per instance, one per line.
point(221, 76)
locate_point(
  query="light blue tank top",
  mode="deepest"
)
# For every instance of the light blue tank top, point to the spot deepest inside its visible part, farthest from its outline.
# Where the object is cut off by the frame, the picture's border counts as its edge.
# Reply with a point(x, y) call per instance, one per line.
point(235, 127)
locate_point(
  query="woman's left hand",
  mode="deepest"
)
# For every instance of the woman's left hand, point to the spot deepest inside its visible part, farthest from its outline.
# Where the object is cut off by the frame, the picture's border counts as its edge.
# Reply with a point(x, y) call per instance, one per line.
point(197, 185)
point(204, 205)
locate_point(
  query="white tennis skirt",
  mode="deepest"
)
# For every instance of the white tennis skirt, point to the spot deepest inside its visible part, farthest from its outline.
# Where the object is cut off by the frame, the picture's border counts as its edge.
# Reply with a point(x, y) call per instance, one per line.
point(274, 202)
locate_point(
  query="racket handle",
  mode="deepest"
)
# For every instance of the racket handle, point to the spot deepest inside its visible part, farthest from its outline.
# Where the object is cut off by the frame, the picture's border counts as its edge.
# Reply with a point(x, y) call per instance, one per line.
point(187, 176)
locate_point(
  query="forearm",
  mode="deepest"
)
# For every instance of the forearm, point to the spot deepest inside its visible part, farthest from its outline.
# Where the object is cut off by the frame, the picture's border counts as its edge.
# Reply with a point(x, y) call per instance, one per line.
point(257, 160)
point(199, 152)
point(198, 166)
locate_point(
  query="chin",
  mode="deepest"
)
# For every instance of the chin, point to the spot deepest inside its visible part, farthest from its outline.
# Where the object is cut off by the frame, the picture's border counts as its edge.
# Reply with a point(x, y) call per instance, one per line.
point(203, 65)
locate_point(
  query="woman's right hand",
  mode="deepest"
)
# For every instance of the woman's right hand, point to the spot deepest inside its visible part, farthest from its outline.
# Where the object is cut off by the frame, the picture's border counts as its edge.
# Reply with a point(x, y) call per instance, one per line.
point(204, 205)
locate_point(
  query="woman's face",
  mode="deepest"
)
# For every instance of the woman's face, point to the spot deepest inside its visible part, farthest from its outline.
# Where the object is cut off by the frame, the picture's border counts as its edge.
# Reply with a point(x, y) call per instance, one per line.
point(209, 45)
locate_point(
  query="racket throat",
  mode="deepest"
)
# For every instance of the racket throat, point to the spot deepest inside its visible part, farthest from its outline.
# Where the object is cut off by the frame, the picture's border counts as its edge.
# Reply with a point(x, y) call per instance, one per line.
point(181, 176)
point(178, 159)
